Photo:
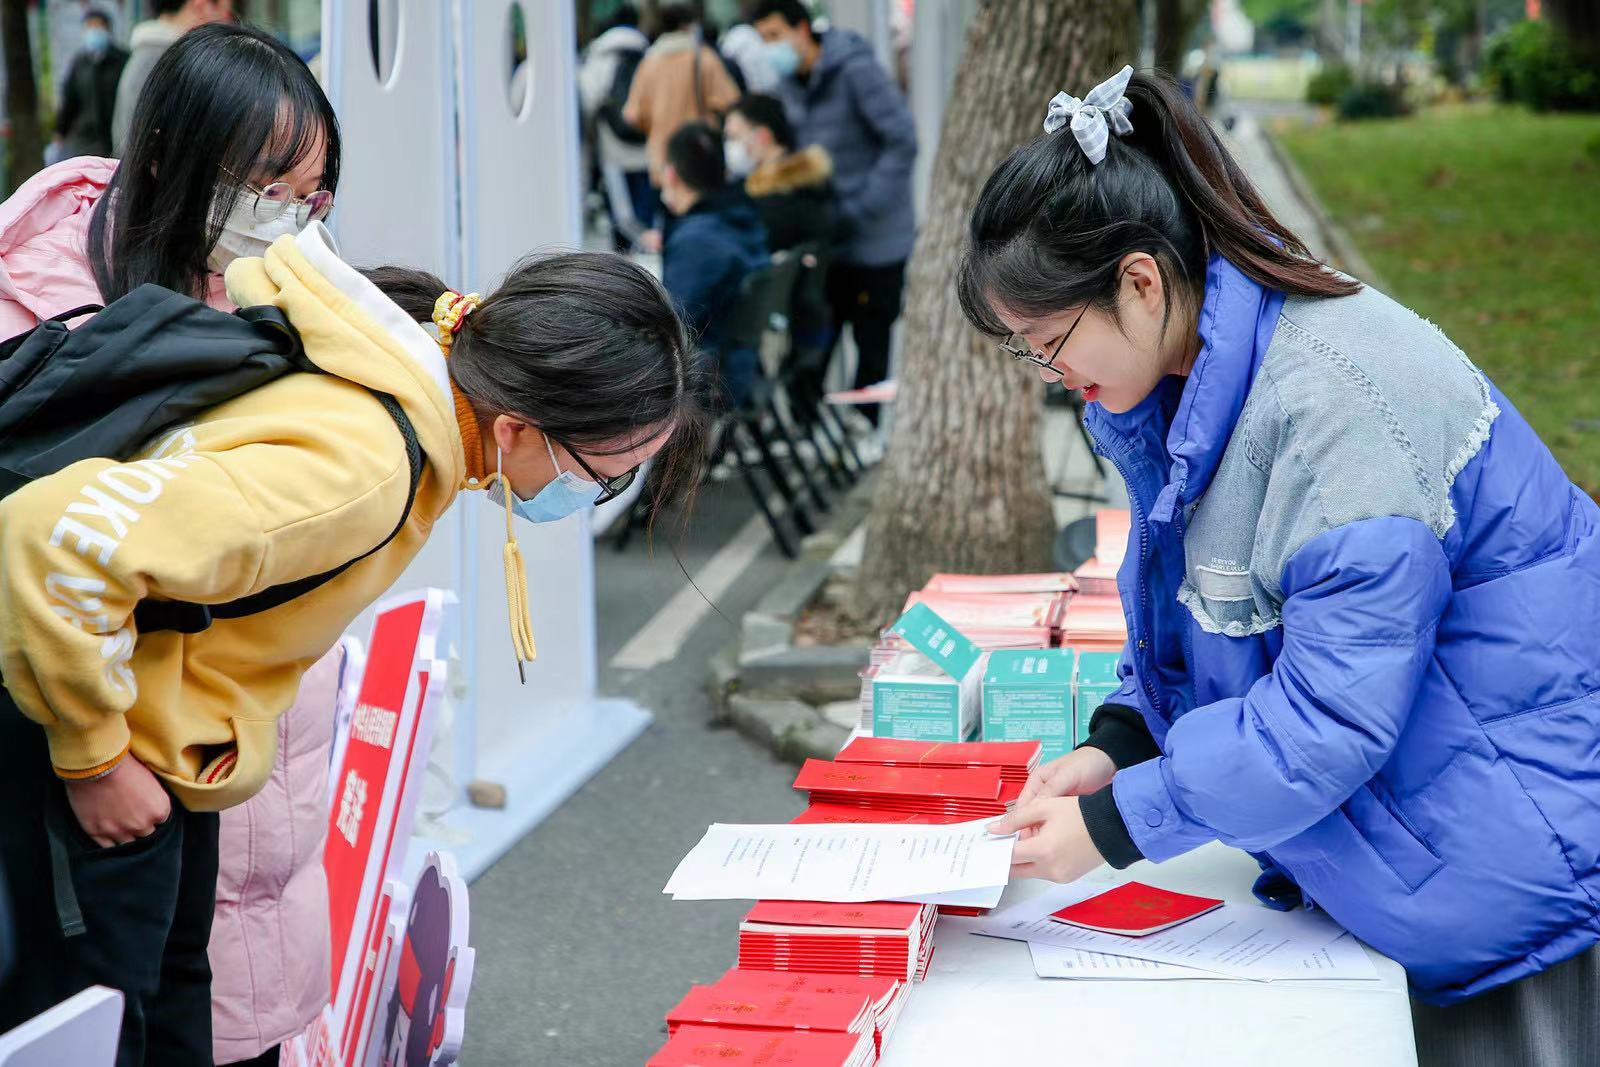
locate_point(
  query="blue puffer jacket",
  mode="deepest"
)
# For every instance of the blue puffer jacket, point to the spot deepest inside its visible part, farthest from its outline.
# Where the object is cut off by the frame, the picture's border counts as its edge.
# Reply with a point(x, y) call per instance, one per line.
point(1363, 603)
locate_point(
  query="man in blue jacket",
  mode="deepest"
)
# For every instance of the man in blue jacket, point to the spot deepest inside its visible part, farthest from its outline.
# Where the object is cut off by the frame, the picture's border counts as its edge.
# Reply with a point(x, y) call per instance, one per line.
point(840, 97)
point(713, 241)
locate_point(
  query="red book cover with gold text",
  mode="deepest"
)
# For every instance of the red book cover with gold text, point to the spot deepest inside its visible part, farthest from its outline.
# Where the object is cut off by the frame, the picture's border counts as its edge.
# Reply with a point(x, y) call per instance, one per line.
point(710, 1046)
point(824, 776)
point(755, 1009)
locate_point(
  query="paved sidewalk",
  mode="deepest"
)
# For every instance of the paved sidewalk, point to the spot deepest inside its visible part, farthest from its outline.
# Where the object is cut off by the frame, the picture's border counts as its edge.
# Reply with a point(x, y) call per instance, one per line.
point(1248, 143)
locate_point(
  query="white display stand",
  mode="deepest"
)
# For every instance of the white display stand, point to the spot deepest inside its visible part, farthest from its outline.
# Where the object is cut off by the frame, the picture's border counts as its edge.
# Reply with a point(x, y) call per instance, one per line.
point(441, 173)
point(82, 1032)
point(982, 1002)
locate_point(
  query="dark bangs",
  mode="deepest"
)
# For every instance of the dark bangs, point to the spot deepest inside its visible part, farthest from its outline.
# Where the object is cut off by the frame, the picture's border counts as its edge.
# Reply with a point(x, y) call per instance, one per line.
point(224, 104)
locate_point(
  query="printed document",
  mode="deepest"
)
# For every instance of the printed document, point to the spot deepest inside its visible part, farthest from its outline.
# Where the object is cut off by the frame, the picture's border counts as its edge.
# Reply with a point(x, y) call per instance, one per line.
point(844, 862)
point(1237, 940)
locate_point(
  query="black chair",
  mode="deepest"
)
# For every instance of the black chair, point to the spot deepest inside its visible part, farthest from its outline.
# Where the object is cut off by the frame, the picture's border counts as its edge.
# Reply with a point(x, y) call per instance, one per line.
point(754, 428)
point(746, 435)
point(805, 368)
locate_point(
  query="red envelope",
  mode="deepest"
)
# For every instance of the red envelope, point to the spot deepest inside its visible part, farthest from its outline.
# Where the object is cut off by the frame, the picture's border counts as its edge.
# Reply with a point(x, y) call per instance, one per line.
point(1135, 910)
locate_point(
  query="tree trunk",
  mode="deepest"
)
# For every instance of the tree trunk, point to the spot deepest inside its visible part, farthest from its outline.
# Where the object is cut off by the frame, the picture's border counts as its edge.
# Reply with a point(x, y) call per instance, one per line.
point(22, 95)
point(1579, 23)
point(963, 486)
point(1175, 25)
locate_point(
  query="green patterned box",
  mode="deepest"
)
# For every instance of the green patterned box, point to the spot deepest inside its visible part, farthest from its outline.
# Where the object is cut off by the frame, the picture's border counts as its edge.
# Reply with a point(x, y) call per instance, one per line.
point(1027, 696)
point(1096, 680)
point(934, 693)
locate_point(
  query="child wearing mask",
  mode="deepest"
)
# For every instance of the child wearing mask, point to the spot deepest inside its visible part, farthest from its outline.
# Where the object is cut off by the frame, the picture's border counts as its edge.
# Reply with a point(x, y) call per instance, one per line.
point(233, 144)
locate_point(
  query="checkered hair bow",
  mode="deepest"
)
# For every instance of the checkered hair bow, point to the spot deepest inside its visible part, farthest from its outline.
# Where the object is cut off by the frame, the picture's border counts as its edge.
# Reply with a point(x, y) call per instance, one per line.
point(1101, 107)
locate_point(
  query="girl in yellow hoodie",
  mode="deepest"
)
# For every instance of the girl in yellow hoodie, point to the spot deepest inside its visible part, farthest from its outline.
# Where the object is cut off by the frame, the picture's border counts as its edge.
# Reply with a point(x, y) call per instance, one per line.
point(557, 387)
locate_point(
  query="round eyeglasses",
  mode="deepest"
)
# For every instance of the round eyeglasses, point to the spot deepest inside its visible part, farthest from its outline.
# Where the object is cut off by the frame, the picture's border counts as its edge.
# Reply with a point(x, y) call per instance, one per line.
point(277, 198)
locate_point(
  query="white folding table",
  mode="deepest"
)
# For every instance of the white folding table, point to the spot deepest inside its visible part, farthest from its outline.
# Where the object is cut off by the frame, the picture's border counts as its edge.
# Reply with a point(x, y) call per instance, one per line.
point(982, 1005)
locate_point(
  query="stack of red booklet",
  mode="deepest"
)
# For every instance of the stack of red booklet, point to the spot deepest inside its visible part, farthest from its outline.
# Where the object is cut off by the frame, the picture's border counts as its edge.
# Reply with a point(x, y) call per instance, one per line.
point(746, 1008)
point(977, 611)
point(780, 1000)
point(974, 793)
point(887, 996)
point(835, 813)
point(1015, 760)
point(717, 1046)
point(1111, 529)
point(884, 940)
point(1001, 583)
point(1095, 623)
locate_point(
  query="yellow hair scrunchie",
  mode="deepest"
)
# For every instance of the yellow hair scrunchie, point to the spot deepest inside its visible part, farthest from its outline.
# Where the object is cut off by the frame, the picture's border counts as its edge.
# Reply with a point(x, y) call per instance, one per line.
point(450, 311)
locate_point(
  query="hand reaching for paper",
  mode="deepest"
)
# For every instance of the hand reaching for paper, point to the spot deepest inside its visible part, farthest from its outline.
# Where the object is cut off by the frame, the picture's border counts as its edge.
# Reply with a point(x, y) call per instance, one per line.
point(1055, 843)
point(1078, 773)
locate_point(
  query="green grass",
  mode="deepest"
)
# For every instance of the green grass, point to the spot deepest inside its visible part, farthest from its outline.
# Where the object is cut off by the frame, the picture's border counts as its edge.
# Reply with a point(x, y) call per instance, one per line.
point(1487, 221)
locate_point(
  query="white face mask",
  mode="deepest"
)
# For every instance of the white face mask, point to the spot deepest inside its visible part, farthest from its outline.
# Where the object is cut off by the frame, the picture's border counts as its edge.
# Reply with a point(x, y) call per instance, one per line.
point(243, 236)
point(740, 162)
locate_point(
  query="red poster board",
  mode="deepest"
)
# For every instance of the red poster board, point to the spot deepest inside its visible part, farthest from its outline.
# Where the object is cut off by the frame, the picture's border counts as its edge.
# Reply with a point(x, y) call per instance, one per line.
point(374, 801)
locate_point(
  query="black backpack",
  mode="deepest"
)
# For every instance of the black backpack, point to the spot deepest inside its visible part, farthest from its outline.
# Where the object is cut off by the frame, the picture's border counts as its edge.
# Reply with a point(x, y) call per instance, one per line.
point(610, 112)
point(149, 361)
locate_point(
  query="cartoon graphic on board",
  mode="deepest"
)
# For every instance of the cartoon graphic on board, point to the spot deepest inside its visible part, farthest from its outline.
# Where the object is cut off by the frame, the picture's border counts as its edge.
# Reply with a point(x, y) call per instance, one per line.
point(426, 1016)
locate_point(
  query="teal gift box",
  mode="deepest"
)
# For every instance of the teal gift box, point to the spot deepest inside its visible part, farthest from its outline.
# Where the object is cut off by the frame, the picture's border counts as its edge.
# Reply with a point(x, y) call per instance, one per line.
point(1027, 696)
point(1096, 680)
point(934, 693)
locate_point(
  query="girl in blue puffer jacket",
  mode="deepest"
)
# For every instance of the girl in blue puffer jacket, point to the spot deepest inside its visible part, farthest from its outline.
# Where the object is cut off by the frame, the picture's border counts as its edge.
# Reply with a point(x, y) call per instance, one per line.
point(1363, 601)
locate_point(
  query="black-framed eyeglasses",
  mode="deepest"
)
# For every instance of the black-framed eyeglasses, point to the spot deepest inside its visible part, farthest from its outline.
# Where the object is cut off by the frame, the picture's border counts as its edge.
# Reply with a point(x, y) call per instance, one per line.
point(610, 488)
point(275, 199)
point(1018, 348)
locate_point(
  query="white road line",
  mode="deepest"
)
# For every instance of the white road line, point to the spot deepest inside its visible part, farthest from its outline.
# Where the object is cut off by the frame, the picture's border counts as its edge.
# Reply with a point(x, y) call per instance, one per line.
point(663, 636)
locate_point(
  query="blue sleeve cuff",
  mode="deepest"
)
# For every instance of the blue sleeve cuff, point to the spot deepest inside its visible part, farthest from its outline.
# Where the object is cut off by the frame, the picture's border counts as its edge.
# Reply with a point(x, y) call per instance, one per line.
point(1158, 829)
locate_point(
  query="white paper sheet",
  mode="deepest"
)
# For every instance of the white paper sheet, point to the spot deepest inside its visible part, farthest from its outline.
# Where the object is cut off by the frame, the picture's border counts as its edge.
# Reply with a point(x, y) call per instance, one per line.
point(1343, 959)
point(847, 862)
point(959, 898)
point(1240, 940)
point(1054, 961)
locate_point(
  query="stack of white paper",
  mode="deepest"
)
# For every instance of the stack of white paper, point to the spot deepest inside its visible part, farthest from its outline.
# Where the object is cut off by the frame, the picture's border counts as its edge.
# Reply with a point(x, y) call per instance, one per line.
point(1235, 941)
point(845, 862)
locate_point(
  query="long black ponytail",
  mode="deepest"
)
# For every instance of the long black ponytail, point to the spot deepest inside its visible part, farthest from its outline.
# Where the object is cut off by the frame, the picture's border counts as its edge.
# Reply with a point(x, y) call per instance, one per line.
point(1050, 229)
point(586, 347)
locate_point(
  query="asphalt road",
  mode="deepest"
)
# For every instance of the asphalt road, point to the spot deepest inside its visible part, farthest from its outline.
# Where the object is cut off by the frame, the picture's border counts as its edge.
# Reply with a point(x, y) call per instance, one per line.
point(579, 954)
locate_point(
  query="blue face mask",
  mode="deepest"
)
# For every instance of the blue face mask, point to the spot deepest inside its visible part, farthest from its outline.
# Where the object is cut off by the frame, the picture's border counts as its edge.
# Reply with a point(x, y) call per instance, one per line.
point(564, 496)
point(96, 39)
point(783, 57)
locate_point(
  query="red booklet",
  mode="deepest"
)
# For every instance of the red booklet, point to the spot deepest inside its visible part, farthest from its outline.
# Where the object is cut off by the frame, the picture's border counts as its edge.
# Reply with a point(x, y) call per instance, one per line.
point(1096, 578)
point(865, 779)
point(1112, 527)
point(820, 916)
point(1055, 582)
point(756, 1009)
point(835, 813)
point(715, 1046)
point(1135, 910)
point(1007, 610)
point(880, 992)
point(1014, 758)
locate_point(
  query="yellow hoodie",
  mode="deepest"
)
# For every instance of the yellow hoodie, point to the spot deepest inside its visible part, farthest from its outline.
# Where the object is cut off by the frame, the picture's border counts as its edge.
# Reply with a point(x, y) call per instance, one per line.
point(288, 481)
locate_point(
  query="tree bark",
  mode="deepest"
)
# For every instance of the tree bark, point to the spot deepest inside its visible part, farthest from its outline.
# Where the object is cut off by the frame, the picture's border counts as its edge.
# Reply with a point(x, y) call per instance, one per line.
point(1579, 22)
point(22, 95)
point(963, 486)
point(1175, 25)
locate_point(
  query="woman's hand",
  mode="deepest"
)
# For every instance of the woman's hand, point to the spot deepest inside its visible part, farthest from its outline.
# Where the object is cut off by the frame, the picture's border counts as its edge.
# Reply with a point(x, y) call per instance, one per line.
point(1078, 773)
point(1055, 843)
point(125, 805)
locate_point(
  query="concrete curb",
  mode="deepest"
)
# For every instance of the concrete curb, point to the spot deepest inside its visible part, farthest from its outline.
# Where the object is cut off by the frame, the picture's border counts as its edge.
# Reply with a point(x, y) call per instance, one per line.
point(1349, 256)
point(792, 699)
